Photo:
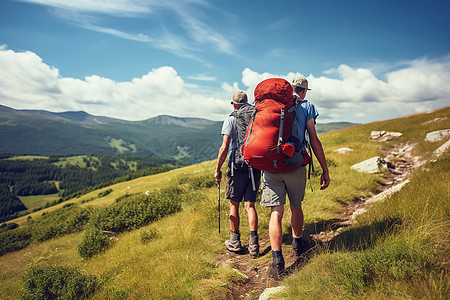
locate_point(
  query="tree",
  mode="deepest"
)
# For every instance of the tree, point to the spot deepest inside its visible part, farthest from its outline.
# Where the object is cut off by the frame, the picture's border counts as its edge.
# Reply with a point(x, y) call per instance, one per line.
point(10, 204)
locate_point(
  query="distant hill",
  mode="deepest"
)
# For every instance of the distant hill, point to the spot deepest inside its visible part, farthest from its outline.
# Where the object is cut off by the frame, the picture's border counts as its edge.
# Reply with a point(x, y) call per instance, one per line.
point(325, 127)
point(40, 132)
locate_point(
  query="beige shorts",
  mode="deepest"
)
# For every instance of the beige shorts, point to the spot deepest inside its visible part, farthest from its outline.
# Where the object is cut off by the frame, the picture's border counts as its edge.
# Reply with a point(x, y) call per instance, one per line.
point(275, 186)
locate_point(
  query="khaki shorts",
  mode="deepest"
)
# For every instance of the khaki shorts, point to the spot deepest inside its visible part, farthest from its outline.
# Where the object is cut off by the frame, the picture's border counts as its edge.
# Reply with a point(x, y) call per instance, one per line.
point(275, 186)
point(239, 186)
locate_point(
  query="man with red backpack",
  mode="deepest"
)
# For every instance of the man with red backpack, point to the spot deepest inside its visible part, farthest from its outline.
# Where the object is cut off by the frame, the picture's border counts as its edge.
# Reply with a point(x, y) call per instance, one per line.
point(242, 180)
point(275, 185)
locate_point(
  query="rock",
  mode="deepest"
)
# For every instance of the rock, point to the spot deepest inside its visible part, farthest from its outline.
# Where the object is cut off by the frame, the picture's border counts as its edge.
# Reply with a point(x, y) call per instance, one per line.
point(376, 134)
point(380, 197)
point(343, 150)
point(224, 263)
point(242, 275)
point(436, 136)
point(370, 165)
point(269, 292)
point(384, 136)
point(442, 149)
point(434, 120)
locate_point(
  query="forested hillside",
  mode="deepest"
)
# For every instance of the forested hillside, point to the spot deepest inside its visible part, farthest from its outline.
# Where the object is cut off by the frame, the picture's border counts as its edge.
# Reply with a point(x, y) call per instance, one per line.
point(10, 204)
point(44, 133)
point(68, 176)
point(190, 140)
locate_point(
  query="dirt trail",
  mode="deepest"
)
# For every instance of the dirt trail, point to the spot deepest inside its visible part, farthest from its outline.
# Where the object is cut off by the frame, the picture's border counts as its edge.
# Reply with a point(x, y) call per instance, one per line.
point(253, 278)
point(400, 162)
point(251, 274)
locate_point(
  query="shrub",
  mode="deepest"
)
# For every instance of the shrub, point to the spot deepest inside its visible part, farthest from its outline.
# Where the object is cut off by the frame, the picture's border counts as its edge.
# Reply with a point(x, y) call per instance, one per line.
point(138, 210)
point(126, 196)
point(49, 282)
point(147, 236)
point(204, 181)
point(76, 221)
point(62, 221)
point(10, 226)
point(104, 193)
point(13, 240)
point(94, 242)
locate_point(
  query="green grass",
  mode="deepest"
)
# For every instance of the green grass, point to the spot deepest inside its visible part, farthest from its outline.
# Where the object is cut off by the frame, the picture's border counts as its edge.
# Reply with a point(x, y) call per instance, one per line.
point(27, 157)
point(72, 160)
point(32, 202)
point(397, 250)
point(121, 146)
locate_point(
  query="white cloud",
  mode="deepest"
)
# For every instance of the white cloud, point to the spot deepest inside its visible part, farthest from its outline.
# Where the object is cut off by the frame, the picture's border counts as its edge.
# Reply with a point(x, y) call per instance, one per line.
point(140, 37)
point(26, 82)
point(356, 95)
point(111, 7)
point(200, 31)
point(203, 77)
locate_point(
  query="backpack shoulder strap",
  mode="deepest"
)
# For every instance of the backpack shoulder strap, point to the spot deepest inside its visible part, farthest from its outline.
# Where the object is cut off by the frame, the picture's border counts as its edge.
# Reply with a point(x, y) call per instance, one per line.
point(305, 141)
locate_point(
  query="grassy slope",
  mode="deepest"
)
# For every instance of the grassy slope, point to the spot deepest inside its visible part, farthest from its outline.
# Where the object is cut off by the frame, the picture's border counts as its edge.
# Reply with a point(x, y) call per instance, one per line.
point(182, 261)
point(399, 248)
point(32, 202)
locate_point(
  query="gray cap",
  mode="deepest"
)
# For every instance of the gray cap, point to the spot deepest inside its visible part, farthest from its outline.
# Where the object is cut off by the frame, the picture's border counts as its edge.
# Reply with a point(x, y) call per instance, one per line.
point(239, 98)
point(300, 82)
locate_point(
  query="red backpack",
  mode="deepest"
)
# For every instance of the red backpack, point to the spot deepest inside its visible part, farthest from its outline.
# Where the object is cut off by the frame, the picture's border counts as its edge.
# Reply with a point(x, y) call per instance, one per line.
point(265, 146)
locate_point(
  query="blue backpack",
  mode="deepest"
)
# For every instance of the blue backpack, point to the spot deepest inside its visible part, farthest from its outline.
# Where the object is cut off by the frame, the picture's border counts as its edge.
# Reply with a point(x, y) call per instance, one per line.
point(302, 147)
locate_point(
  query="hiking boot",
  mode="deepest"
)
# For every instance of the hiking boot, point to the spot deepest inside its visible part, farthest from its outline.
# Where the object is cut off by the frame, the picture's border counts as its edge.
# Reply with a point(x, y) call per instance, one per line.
point(300, 246)
point(253, 247)
point(276, 269)
point(234, 243)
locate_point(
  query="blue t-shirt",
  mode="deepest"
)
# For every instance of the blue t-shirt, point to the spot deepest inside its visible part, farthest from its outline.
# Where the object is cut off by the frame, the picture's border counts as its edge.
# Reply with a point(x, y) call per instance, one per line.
point(305, 111)
point(229, 128)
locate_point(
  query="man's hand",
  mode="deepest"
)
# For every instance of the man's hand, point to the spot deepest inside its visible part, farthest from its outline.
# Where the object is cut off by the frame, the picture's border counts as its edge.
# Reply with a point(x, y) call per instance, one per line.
point(218, 176)
point(324, 181)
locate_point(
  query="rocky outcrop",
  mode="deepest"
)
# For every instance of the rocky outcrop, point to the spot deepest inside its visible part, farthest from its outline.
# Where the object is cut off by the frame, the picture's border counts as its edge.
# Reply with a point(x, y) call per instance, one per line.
point(343, 150)
point(269, 293)
point(384, 136)
point(371, 165)
point(379, 197)
point(442, 149)
point(434, 120)
point(436, 136)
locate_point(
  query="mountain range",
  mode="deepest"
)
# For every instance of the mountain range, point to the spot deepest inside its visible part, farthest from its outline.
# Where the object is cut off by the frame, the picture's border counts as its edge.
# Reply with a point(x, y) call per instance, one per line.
point(40, 132)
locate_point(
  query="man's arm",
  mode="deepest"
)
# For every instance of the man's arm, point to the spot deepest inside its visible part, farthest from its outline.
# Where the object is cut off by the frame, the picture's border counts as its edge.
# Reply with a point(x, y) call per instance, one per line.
point(318, 151)
point(223, 151)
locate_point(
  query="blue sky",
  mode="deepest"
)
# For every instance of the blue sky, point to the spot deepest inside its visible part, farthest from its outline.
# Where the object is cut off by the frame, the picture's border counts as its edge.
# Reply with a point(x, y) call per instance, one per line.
point(365, 60)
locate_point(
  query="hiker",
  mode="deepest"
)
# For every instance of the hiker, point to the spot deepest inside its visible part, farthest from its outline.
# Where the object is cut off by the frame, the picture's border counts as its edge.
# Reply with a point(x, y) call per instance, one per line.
point(275, 186)
point(242, 180)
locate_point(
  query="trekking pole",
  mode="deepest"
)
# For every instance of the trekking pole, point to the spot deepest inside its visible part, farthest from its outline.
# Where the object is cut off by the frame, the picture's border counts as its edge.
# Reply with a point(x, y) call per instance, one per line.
point(218, 203)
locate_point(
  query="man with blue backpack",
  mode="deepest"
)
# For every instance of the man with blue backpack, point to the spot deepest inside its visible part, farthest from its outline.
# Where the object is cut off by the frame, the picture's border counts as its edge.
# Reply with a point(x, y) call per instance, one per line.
point(242, 180)
point(275, 186)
